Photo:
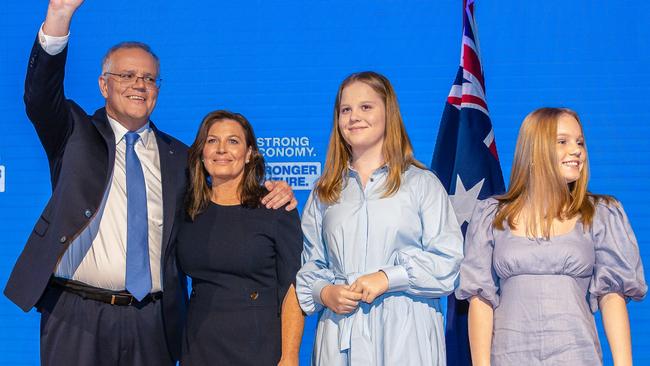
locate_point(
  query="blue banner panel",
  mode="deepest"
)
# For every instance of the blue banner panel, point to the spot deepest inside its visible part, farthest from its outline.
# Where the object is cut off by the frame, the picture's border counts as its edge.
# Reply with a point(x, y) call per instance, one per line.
point(280, 63)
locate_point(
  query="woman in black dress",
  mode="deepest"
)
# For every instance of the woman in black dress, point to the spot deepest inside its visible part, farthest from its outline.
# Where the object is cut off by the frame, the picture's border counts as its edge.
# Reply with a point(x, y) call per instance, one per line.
point(241, 256)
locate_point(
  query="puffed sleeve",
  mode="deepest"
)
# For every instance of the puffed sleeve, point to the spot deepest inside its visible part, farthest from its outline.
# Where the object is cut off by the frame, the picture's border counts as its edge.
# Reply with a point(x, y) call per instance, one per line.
point(314, 274)
point(288, 245)
point(431, 269)
point(618, 266)
point(477, 276)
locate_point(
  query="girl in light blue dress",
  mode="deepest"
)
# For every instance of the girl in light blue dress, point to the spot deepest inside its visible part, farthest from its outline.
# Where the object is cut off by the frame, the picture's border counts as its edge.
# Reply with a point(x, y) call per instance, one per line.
point(381, 240)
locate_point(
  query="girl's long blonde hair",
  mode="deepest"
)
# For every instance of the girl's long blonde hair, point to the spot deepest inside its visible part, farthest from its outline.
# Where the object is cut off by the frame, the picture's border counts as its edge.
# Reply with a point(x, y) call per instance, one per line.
point(397, 149)
point(536, 185)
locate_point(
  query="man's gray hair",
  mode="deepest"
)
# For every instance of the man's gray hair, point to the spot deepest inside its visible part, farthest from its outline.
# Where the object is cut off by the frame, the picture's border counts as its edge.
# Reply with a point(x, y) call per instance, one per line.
point(125, 45)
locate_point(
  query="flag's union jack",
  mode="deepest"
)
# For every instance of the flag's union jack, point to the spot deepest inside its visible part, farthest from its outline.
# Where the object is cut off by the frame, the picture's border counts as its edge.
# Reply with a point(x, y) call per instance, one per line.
point(466, 161)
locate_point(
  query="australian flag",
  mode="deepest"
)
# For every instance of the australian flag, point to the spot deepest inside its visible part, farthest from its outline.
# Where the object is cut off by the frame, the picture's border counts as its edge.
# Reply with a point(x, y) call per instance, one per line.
point(466, 162)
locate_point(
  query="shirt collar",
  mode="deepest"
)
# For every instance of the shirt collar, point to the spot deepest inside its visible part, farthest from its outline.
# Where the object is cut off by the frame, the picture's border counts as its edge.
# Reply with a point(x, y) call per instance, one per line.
point(119, 131)
point(381, 169)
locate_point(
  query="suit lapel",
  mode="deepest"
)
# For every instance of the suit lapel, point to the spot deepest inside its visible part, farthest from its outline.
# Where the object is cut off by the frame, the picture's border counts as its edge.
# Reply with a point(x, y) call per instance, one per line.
point(167, 166)
point(104, 128)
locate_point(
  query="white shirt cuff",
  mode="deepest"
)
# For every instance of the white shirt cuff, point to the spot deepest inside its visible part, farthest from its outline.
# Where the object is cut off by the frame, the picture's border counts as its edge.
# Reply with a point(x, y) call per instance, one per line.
point(52, 45)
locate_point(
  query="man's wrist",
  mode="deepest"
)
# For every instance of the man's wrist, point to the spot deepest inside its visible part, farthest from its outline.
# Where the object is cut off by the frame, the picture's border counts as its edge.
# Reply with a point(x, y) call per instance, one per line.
point(57, 21)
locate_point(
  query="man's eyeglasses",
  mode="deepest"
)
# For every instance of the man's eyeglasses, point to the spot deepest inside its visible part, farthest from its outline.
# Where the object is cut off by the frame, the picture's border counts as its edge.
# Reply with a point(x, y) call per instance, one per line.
point(128, 78)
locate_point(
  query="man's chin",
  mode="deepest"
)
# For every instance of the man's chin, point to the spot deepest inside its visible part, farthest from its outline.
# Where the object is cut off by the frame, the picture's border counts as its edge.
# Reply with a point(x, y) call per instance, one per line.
point(138, 118)
point(132, 122)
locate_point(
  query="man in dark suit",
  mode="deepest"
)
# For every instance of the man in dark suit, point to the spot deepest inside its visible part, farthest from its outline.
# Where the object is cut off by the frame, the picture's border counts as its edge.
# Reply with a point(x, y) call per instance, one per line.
point(99, 265)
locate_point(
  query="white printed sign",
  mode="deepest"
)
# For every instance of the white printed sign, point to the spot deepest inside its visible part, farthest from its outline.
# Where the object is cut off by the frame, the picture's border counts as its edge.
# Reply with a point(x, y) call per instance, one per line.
point(2, 178)
point(286, 147)
point(299, 175)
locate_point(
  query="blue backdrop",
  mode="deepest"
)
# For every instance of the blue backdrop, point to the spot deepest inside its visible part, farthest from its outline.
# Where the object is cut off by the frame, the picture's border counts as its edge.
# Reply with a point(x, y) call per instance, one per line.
point(280, 63)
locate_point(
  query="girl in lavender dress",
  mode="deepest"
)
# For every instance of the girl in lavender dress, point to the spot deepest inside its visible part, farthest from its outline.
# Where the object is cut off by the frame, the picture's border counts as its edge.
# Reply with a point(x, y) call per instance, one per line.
point(542, 258)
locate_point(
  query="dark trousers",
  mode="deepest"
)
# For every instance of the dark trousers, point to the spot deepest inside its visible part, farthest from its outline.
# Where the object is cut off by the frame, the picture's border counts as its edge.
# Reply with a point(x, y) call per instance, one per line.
point(82, 332)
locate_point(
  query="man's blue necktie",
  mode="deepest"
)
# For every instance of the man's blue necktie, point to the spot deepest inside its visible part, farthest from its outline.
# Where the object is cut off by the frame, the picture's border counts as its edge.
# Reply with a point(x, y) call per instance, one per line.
point(138, 272)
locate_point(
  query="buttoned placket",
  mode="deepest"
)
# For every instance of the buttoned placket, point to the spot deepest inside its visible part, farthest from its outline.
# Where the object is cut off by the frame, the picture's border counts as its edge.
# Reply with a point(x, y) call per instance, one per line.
point(366, 193)
point(351, 326)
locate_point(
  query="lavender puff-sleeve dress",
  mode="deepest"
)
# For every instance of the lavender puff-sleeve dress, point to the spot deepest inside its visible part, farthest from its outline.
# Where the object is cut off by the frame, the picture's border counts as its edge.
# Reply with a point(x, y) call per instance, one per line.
point(544, 292)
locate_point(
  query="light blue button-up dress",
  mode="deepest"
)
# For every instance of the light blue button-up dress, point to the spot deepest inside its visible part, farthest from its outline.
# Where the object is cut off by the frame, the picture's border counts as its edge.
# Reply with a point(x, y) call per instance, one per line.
point(414, 237)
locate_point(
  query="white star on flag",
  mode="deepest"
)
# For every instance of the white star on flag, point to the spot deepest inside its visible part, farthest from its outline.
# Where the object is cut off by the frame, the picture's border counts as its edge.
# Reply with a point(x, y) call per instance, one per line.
point(464, 200)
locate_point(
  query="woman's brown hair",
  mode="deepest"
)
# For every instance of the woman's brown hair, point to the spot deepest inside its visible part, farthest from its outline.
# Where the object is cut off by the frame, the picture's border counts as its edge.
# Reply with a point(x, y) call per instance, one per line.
point(536, 184)
point(397, 149)
point(250, 188)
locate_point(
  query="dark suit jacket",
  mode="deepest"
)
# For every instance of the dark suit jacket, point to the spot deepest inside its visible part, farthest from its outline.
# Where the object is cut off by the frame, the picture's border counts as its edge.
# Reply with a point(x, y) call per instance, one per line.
point(81, 153)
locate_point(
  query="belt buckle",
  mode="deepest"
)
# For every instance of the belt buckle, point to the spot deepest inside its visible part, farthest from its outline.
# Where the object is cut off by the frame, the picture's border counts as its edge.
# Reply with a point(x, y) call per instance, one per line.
point(114, 299)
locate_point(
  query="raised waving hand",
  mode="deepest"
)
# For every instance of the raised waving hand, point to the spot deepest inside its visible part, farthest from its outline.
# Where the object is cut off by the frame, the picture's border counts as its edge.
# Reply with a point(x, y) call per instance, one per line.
point(59, 14)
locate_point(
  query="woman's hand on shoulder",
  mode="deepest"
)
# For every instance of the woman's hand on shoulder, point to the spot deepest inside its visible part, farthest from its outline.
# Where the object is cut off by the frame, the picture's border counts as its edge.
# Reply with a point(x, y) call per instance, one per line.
point(371, 286)
point(340, 299)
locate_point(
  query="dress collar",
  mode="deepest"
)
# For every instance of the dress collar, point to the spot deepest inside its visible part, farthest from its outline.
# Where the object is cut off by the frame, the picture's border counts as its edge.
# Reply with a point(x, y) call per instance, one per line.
point(352, 172)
